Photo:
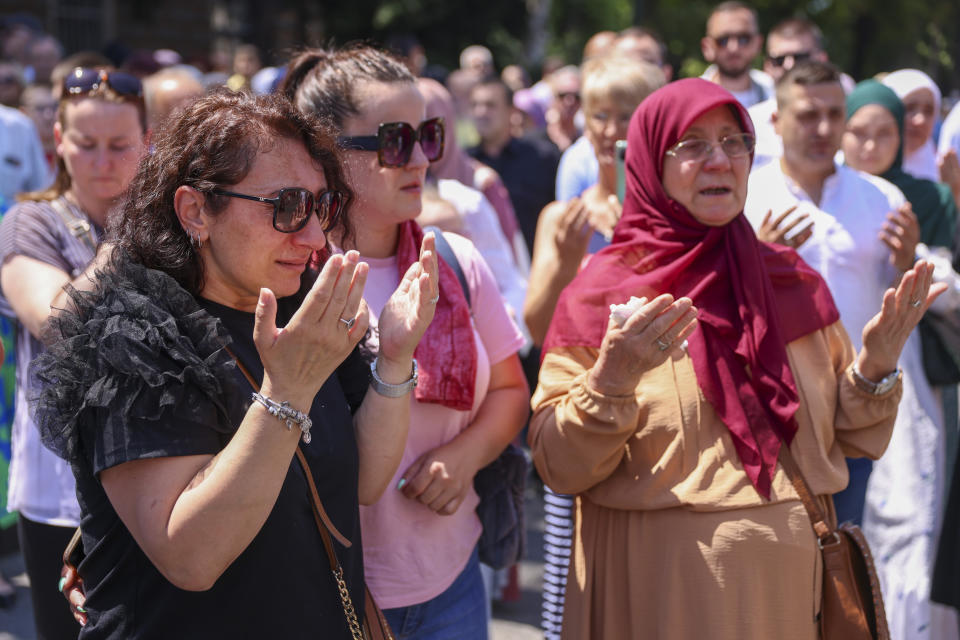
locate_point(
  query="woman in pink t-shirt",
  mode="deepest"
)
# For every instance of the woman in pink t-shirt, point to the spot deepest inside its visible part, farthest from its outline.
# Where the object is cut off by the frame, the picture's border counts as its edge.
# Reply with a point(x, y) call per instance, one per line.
point(419, 540)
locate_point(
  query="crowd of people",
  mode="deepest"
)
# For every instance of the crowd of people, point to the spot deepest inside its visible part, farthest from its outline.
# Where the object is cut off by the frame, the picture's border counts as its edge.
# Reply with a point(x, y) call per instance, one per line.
point(667, 289)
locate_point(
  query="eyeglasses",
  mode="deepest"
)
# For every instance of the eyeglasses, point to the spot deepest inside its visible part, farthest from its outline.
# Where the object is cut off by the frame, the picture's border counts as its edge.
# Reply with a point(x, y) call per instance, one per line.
point(743, 39)
point(82, 80)
point(736, 145)
point(293, 205)
point(799, 56)
point(394, 142)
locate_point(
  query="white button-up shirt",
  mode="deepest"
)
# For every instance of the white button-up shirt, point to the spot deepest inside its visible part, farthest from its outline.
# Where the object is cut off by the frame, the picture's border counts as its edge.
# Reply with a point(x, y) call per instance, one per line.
point(845, 247)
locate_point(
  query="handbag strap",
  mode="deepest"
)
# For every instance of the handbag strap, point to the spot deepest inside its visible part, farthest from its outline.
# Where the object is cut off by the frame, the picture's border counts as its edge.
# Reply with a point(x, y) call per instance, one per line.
point(821, 527)
point(324, 524)
point(78, 227)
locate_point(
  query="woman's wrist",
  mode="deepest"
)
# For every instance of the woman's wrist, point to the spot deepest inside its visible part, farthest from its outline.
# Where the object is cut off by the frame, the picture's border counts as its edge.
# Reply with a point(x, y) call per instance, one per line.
point(299, 399)
point(394, 370)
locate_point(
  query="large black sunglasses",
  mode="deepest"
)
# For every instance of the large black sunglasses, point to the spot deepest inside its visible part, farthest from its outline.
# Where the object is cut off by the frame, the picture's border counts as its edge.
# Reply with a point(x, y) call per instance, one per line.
point(394, 141)
point(84, 80)
point(293, 205)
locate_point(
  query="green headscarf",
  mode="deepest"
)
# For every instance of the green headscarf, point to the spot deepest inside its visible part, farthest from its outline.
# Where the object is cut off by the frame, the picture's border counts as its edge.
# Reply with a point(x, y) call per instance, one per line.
point(932, 202)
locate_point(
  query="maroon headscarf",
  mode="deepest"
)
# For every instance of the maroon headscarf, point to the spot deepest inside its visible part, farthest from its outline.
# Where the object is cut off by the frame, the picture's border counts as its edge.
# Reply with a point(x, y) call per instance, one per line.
point(753, 298)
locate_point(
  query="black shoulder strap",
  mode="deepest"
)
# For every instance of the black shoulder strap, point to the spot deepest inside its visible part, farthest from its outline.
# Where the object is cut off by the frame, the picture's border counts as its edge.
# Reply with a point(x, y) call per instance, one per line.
point(445, 251)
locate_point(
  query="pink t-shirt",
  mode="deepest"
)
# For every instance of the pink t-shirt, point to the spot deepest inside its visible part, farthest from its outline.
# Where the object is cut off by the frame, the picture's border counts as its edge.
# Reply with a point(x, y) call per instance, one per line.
point(411, 554)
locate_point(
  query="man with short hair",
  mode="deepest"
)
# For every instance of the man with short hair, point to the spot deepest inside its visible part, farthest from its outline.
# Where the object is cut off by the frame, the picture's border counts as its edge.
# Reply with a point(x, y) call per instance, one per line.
point(860, 238)
point(478, 60)
point(730, 45)
point(789, 42)
point(527, 165)
point(167, 90)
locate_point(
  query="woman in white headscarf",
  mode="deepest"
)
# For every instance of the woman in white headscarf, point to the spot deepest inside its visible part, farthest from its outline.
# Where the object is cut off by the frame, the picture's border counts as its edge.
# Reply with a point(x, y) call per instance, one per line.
point(921, 98)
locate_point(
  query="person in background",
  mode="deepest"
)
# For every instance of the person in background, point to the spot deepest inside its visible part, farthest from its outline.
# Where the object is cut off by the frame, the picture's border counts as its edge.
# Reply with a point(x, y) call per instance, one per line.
point(921, 98)
point(599, 44)
point(246, 63)
point(12, 83)
point(477, 60)
point(471, 400)
point(479, 219)
point(908, 484)
point(672, 432)
point(515, 77)
point(43, 53)
point(561, 126)
point(455, 164)
point(528, 165)
point(168, 90)
point(567, 234)
point(38, 104)
point(46, 241)
point(578, 167)
point(789, 42)
point(948, 151)
point(731, 44)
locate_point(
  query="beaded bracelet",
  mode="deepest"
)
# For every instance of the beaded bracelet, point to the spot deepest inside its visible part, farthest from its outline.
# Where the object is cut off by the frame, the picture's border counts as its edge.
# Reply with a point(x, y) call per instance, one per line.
point(285, 413)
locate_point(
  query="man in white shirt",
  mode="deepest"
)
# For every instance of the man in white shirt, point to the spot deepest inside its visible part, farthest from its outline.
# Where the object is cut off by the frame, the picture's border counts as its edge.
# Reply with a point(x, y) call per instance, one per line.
point(731, 44)
point(858, 238)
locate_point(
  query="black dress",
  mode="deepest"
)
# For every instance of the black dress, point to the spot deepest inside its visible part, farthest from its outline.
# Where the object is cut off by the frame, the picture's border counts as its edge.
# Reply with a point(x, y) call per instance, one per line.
point(139, 372)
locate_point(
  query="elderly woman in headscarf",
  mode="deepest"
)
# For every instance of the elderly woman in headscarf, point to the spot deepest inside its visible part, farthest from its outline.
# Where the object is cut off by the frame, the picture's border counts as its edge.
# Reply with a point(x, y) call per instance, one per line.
point(903, 515)
point(669, 416)
point(921, 100)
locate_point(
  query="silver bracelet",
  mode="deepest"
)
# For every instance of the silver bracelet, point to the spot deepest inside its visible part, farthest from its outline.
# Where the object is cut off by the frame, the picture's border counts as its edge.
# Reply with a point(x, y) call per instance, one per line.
point(285, 413)
point(392, 390)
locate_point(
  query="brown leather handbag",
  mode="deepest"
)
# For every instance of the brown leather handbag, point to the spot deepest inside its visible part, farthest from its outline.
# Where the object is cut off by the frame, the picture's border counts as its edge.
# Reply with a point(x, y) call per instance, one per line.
point(852, 605)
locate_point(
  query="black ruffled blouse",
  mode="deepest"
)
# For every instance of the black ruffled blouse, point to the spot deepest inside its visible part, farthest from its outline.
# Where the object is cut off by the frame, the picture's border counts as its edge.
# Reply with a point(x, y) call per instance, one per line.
point(138, 370)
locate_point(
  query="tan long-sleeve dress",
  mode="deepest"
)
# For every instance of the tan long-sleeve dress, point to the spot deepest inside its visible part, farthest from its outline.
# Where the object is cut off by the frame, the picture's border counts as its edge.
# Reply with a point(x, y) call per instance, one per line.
point(671, 539)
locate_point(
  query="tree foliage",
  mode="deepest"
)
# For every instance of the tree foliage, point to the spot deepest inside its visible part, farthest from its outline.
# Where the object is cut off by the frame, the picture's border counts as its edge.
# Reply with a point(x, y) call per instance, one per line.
point(864, 37)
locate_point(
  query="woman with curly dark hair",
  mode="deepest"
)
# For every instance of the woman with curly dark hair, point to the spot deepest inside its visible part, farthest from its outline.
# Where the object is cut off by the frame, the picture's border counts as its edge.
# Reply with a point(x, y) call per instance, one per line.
point(205, 348)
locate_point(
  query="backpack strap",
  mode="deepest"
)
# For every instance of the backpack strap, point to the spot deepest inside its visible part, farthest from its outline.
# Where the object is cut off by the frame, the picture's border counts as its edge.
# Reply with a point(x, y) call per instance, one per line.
point(445, 251)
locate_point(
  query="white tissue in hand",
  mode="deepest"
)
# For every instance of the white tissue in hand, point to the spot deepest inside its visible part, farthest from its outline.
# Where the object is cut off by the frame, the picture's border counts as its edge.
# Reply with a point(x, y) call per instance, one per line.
point(622, 312)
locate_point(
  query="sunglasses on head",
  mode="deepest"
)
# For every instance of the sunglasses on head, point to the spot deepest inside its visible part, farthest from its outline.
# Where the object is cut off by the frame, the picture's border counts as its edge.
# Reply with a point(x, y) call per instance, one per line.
point(799, 56)
point(293, 205)
point(394, 142)
point(84, 80)
point(743, 39)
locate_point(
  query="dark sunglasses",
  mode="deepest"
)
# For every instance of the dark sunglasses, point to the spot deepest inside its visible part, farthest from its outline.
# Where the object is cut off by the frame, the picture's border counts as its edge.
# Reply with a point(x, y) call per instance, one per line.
point(293, 205)
point(83, 80)
point(799, 56)
point(743, 39)
point(394, 142)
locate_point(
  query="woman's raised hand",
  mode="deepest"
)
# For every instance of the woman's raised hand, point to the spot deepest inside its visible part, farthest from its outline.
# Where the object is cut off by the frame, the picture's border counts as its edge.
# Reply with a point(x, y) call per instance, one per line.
point(409, 311)
point(885, 333)
point(653, 333)
point(298, 358)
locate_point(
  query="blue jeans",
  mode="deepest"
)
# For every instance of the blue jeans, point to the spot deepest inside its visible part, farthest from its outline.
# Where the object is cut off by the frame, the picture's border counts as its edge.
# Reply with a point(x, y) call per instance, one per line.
point(849, 503)
point(459, 613)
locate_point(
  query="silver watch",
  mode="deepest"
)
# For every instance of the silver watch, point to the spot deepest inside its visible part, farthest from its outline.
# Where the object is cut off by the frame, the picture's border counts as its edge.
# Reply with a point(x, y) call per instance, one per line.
point(392, 390)
point(876, 388)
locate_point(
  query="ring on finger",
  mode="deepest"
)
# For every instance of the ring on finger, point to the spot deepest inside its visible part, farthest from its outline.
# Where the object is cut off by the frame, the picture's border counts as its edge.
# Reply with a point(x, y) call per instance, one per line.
point(349, 322)
point(916, 303)
point(434, 299)
point(663, 346)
